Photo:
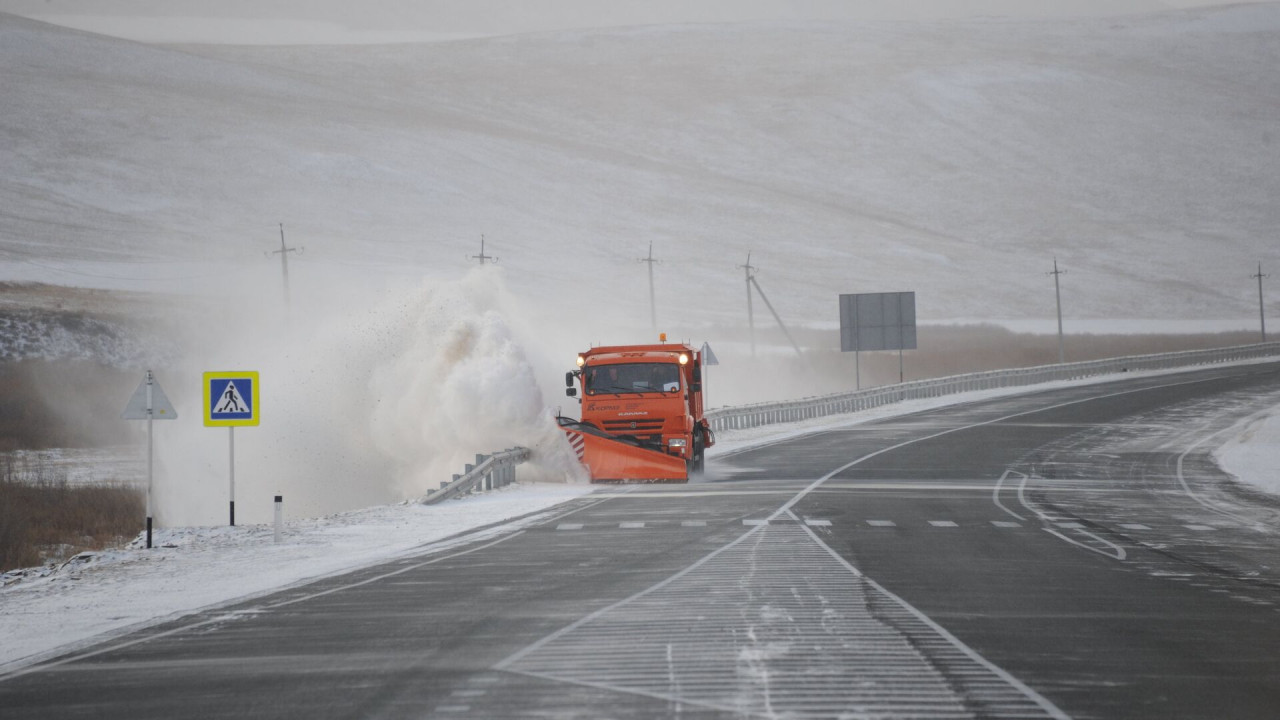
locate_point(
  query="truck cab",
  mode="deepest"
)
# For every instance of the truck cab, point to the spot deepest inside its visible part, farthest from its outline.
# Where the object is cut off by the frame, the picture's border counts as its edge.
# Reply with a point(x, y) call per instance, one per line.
point(648, 397)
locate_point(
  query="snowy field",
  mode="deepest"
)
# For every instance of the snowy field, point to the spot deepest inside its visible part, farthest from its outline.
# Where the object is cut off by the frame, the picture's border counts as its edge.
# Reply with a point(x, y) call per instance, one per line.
point(956, 159)
point(99, 595)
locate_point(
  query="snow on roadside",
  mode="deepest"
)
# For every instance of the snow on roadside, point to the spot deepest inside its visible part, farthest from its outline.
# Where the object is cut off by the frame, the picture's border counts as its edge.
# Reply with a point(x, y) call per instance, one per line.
point(1253, 454)
point(108, 593)
point(193, 568)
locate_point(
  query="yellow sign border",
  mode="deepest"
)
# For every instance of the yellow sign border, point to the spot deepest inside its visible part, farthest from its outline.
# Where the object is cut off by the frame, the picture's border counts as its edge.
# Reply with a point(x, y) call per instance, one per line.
point(252, 376)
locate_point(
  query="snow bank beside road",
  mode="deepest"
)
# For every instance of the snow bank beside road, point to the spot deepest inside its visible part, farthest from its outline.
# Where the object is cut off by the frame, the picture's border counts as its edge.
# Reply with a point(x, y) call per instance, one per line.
point(1253, 455)
point(195, 568)
point(192, 568)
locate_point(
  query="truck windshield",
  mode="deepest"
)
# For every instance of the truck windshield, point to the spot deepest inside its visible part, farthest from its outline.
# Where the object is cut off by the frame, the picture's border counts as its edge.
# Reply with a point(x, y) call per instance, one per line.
point(633, 378)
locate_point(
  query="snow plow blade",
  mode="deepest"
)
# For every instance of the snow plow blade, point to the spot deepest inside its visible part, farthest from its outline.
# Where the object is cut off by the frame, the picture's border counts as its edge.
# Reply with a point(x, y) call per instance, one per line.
point(613, 460)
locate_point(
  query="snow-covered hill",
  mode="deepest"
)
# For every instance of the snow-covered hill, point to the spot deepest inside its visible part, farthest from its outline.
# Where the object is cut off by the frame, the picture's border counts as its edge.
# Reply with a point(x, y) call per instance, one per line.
point(955, 159)
point(951, 158)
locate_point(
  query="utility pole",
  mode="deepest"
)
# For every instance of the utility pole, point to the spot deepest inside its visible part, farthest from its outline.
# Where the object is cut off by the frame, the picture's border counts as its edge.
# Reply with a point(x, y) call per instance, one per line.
point(653, 308)
point(283, 252)
point(482, 257)
point(1058, 295)
point(1262, 317)
point(751, 322)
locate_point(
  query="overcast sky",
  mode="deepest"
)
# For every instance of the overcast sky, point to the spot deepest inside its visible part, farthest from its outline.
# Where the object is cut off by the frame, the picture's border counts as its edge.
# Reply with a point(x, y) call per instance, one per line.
point(337, 21)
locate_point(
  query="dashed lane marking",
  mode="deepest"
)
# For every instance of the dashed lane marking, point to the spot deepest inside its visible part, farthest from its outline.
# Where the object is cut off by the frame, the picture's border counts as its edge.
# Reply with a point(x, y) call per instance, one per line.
point(812, 522)
point(943, 523)
point(1200, 527)
point(881, 523)
point(776, 624)
point(1135, 526)
point(1006, 524)
point(630, 525)
point(693, 523)
point(755, 521)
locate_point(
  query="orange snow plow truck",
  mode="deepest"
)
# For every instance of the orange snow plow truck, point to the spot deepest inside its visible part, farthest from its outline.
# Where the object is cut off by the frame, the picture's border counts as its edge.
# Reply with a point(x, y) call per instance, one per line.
point(642, 415)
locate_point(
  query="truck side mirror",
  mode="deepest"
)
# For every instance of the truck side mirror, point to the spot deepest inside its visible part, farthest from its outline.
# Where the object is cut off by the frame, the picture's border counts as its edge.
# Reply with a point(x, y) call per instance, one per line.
point(571, 392)
point(697, 373)
point(696, 387)
point(568, 379)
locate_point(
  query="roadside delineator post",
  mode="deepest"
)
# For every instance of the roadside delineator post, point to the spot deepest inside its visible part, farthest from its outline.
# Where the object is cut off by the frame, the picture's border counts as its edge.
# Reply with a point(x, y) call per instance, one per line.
point(279, 516)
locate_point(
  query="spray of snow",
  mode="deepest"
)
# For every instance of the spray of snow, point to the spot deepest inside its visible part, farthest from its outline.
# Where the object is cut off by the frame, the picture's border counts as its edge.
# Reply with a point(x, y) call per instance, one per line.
point(373, 400)
point(459, 383)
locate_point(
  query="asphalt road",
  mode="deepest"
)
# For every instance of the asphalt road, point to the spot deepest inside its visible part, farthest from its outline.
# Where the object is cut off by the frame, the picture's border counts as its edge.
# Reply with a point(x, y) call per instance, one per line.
point(1063, 553)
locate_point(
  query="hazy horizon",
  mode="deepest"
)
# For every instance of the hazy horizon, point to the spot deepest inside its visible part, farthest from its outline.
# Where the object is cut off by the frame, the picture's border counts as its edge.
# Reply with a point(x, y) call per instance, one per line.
point(386, 21)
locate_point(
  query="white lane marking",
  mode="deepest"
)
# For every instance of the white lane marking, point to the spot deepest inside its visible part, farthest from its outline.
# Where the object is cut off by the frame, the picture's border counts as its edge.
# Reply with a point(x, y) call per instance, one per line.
point(1070, 525)
point(1022, 498)
point(755, 521)
point(1199, 527)
point(1182, 480)
point(955, 642)
point(943, 523)
point(812, 522)
point(881, 523)
point(1117, 552)
point(995, 494)
point(776, 626)
point(630, 525)
point(1135, 526)
point(443, 546)
point(1006, 524)
point(822, 480)
point(569, 526)
point(504, 664)
point(786, 508)
point(693, 523)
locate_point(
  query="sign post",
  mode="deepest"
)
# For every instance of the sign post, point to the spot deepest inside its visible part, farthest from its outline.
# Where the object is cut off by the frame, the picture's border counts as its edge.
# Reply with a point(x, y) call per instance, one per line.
point(149, 403)
point(231, 399)
point(877, 321)
point(708, 359)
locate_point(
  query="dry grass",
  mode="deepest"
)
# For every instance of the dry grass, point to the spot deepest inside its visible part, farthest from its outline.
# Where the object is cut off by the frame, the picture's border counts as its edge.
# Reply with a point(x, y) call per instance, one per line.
point(43, 518)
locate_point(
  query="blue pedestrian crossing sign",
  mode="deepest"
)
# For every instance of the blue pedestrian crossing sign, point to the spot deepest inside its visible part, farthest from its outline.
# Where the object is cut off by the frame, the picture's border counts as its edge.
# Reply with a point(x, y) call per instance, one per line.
point(231, 398)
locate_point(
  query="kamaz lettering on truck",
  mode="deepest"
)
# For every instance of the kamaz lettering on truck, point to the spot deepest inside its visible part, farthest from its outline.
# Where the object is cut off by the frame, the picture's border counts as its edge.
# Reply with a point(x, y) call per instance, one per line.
point(642, 414)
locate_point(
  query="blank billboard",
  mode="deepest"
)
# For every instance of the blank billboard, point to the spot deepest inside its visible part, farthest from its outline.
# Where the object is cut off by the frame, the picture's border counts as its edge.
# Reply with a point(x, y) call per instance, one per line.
point(877, 321)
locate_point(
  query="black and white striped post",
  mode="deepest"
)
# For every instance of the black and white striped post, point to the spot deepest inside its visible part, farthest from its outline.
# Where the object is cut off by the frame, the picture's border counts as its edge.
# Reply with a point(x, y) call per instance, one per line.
point(279, 516)
point(149, 403)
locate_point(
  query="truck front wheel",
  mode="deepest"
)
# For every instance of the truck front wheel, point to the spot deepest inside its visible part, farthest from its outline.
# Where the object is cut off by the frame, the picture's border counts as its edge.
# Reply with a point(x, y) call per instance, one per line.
point(697, 459)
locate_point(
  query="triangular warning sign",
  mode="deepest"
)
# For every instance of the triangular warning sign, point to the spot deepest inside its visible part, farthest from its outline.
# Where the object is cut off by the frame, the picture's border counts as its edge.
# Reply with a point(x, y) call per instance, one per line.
point(708, 357)
point(161, 408)
point(230, 401)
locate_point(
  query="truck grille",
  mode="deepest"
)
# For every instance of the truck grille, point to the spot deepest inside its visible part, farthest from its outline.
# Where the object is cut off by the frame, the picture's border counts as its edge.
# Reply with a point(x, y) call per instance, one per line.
point(628, 427)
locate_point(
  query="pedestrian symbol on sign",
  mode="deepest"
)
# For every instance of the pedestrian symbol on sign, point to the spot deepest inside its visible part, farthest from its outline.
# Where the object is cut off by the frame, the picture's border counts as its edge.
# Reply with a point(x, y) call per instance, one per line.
point(231, 401)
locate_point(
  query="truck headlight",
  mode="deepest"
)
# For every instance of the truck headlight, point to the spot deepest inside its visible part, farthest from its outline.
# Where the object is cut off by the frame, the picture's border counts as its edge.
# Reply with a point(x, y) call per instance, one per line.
point(677, 442)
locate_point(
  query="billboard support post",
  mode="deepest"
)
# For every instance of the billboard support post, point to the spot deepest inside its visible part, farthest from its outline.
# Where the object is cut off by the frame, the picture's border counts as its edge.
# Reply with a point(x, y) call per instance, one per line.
point(877, 321)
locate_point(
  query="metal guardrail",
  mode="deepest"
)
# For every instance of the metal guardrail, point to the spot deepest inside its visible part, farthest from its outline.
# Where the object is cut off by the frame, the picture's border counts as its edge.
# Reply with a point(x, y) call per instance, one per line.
point(749, 416)
point(488, 472)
